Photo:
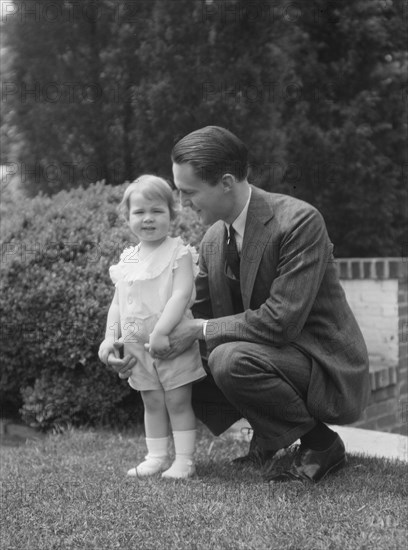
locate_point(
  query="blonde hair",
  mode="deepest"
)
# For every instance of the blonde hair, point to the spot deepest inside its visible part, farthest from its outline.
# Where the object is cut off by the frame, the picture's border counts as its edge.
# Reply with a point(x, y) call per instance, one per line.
point(151, 187)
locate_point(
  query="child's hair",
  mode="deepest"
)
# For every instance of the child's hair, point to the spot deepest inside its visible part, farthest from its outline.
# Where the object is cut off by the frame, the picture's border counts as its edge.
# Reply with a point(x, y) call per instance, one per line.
point(151, 187)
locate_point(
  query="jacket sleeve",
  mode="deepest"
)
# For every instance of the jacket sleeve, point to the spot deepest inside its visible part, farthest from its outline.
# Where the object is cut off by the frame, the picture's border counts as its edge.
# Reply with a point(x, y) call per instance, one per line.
point(202, 306)
point(304, 251)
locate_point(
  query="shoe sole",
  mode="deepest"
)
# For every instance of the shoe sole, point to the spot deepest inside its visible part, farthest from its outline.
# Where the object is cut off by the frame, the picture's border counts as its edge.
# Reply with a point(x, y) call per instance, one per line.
point(190, 474)
point(134, 473)
point(289, 477)
point(334, 468)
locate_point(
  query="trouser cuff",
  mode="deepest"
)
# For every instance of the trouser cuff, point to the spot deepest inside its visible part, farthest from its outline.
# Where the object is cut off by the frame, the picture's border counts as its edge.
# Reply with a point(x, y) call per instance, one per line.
point(280, 441)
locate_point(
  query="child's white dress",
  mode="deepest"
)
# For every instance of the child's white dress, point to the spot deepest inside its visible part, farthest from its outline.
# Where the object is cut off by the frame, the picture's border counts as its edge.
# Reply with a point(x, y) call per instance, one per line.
point(144, 286)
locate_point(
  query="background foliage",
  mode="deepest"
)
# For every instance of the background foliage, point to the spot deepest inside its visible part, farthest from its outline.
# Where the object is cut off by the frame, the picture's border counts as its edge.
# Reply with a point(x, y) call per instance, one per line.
point(317, 90)
point(56, 292)
point(100, 91)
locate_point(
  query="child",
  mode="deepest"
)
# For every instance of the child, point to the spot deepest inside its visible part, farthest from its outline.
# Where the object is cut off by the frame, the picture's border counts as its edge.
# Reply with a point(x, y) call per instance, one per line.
point(154, 289)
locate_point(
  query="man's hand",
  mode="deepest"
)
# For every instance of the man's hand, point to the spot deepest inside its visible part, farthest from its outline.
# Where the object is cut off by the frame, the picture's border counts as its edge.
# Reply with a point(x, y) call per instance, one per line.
point(181, 338)
point(122, 366)
point(109, 354)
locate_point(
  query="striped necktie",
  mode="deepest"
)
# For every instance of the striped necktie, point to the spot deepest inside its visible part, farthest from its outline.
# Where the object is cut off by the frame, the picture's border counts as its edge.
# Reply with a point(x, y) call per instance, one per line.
point(232, 259)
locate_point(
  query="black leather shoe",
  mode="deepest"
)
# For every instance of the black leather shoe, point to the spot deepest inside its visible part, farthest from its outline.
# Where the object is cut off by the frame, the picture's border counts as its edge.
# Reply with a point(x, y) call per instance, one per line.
point(309, 465)
point(255, 457)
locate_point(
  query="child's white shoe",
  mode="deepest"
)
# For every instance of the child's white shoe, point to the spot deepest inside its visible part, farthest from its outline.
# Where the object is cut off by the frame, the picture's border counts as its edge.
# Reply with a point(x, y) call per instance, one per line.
point(180, 469)
point(149, 467)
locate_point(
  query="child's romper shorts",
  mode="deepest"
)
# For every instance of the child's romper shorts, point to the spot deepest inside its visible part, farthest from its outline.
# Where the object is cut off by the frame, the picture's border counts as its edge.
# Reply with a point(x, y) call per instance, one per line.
point(143, 288)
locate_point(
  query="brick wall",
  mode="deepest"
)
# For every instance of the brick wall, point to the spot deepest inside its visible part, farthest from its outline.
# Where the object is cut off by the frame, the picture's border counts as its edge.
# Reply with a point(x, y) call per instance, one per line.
point(377, 291)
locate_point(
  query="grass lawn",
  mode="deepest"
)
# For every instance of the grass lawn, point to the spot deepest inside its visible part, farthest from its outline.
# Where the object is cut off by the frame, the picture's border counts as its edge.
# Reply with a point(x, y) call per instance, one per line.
point(70, 491)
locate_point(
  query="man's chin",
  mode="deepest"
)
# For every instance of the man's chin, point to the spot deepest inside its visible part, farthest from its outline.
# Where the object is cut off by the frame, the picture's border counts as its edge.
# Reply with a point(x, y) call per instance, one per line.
point(205, 219)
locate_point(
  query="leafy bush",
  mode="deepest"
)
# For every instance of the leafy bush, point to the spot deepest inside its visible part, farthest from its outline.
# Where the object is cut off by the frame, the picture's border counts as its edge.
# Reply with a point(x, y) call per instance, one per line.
point(56, 291)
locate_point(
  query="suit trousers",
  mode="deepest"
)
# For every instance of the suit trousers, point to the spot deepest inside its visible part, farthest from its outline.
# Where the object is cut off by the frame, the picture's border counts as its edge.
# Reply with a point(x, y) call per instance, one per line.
point(264, 384)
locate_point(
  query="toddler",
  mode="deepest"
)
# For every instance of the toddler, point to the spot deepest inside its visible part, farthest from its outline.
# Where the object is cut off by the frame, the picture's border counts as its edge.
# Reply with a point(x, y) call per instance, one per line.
point(154, 289)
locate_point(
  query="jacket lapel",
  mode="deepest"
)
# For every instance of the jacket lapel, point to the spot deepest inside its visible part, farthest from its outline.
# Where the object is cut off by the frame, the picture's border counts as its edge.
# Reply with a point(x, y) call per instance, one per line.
point(256, 237)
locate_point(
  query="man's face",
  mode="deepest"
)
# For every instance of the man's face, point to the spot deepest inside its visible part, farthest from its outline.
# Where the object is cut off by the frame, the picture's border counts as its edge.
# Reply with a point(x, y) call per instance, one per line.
point(210, 202)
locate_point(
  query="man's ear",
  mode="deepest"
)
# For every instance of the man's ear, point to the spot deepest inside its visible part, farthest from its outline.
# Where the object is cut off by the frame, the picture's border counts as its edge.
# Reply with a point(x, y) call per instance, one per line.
point(228, 181)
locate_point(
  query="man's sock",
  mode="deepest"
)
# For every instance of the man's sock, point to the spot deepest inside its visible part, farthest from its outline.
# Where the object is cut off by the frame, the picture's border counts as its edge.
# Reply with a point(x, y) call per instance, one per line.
point(319, 438)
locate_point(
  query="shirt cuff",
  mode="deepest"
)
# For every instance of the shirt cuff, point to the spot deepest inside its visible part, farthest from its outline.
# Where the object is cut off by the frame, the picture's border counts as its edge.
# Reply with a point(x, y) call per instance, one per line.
point(205, 323)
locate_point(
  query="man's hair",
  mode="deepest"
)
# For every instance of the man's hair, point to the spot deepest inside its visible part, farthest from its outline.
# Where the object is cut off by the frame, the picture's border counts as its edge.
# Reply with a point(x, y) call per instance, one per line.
point(212, 151)
point(152, 188)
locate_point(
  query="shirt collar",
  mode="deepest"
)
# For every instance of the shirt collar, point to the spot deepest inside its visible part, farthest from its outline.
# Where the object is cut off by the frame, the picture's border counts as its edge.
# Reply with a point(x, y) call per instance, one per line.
point(239, 223)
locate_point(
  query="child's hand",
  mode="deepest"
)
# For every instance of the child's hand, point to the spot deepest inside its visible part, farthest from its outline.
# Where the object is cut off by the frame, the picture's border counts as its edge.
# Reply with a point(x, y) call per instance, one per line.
point(158, 343)
point(123, 366)
point(105, 349)
point(111, 353)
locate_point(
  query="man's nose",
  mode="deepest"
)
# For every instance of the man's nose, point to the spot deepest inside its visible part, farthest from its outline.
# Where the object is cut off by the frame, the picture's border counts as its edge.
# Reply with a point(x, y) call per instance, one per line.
point(185, 201)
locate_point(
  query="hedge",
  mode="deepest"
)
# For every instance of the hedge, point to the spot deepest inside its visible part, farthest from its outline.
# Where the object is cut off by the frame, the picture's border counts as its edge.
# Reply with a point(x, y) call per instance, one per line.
point(56, 291)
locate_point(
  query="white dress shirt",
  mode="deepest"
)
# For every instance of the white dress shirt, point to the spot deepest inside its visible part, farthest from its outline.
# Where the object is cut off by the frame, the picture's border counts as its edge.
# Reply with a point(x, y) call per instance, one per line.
point(239, 225)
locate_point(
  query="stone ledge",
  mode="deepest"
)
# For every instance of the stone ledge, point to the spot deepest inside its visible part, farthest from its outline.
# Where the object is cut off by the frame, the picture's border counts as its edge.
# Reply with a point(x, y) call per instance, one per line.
point(372, 268)
point(14, 434)
point(356, 440)
point(382, 376)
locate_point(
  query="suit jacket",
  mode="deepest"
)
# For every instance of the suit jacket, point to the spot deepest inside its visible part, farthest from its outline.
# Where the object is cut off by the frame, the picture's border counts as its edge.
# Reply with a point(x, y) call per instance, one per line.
point(292, 296)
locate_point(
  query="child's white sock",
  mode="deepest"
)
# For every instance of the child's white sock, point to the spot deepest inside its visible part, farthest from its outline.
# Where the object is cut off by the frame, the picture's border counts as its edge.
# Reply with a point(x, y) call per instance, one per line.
point(183, 465)
point(156, 460)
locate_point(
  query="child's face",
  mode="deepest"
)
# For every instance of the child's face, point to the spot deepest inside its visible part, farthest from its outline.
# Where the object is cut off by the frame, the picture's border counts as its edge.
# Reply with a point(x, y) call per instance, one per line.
point(149, 219)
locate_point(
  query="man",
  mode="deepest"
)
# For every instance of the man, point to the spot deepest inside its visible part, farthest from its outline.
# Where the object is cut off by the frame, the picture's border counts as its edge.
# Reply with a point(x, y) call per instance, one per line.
point(283, 347)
